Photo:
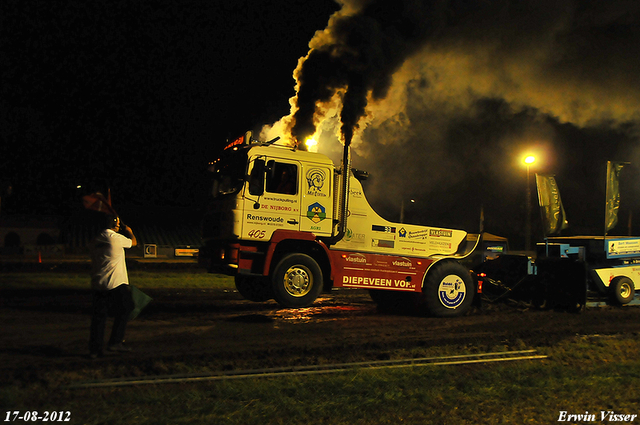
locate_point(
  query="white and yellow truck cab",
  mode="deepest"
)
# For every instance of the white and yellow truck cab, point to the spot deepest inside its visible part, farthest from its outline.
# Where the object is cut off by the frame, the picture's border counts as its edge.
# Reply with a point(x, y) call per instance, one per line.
point(288, 224)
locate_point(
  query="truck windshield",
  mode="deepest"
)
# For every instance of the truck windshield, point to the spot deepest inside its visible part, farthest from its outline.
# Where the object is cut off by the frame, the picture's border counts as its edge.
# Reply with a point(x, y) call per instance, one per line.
point(229, 172)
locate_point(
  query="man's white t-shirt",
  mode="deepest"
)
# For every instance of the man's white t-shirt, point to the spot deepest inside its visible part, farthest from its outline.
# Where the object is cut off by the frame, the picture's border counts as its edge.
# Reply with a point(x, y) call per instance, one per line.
point(109, 266)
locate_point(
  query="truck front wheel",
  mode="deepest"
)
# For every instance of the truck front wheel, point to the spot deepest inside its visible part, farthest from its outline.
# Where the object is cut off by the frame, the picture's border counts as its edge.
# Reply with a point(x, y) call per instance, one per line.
point(622, 290)
point(297, 281)
point(448, 290)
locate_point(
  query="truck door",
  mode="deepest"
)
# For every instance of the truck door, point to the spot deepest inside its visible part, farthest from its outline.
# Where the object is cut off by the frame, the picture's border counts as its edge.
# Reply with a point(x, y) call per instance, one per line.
point(278, 207)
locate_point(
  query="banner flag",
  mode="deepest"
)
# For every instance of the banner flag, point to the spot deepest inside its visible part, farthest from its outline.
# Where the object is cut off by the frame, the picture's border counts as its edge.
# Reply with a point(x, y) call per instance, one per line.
point(140, 301)
point(554, 218)
point(97, 202)
point(613, 195)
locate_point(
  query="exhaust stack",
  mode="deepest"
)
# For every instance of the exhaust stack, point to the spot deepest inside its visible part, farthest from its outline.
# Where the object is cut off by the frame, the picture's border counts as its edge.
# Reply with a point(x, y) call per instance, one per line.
point(343, 196)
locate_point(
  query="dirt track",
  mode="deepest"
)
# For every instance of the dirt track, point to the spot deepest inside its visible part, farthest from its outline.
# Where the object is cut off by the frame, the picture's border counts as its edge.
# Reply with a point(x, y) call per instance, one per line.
point(218, 330)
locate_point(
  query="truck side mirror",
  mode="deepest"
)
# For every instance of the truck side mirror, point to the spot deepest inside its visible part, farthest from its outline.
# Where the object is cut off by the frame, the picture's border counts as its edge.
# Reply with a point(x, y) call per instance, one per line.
point(256, 178)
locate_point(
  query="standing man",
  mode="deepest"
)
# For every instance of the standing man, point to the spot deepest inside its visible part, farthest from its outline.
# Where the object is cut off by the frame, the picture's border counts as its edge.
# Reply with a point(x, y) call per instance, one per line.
point(110, 286)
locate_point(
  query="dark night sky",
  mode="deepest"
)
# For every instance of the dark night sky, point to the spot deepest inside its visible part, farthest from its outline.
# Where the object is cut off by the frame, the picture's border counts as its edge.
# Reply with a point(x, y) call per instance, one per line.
point(138, 96)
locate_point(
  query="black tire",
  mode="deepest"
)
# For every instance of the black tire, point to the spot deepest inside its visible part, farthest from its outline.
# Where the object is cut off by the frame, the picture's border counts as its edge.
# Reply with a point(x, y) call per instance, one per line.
point(621, 290)
point(254, 288)
point(448, 290)
point(297, 281)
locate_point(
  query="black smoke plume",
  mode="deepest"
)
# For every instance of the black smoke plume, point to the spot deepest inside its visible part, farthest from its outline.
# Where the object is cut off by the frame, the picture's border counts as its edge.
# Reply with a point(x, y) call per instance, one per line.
point(368, 48)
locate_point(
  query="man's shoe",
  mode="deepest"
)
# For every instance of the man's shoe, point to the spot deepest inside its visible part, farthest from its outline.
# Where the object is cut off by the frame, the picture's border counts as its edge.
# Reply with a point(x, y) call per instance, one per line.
point(119, 348)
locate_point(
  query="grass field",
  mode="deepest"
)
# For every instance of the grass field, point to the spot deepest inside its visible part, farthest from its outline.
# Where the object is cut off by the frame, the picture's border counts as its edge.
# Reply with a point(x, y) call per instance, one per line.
point(583, 375)
point(142, 279)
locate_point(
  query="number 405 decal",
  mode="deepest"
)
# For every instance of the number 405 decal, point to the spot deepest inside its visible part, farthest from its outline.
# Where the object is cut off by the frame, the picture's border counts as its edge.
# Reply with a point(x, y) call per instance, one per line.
point(258, 234)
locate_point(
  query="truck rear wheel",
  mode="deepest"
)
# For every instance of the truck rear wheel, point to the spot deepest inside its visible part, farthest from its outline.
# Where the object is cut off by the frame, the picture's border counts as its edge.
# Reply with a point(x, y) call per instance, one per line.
point(297, 281)
point(448, 290)
point(254, 288)
point(622, 290)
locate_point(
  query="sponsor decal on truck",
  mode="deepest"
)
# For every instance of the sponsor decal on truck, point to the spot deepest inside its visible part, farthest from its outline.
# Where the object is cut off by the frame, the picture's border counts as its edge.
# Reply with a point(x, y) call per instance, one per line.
point(361, 281)
point(316, 212)
point(264, 219)
point(315, 182)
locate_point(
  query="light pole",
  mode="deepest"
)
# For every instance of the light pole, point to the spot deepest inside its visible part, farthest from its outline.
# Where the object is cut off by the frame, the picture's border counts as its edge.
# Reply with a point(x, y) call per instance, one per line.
point(528, 160)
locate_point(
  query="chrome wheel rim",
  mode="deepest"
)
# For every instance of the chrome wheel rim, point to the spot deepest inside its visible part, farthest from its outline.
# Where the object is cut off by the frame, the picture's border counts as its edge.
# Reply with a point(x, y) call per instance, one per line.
point(625, 290)
point(298, 281)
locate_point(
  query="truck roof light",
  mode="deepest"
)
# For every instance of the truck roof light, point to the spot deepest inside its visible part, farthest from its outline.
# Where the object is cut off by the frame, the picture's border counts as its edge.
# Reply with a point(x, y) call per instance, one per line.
point(245, 139)
point(311, 144)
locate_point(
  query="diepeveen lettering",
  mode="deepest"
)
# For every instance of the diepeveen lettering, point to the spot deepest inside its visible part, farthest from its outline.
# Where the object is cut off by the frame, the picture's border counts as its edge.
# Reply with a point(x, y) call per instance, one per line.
point(375, 281)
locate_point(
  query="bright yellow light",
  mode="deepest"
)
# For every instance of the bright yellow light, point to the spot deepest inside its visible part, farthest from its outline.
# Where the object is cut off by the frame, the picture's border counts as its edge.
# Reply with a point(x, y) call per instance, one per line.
point(530, 159)
point(312, 144)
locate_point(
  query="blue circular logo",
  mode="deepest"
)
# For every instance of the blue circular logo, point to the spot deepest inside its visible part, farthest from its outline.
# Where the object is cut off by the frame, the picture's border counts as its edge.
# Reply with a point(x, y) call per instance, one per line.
point(452, 291)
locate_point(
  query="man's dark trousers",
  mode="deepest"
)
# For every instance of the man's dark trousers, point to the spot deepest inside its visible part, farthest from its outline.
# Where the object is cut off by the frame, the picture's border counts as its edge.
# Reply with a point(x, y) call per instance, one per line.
point(116, 302)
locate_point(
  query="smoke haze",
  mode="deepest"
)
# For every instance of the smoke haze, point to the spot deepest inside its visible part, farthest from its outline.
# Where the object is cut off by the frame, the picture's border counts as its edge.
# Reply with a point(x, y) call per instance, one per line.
point(442, 98)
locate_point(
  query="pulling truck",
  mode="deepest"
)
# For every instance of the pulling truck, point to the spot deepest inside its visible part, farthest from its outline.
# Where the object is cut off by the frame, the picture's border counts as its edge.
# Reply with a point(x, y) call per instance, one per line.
point(289, 225)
